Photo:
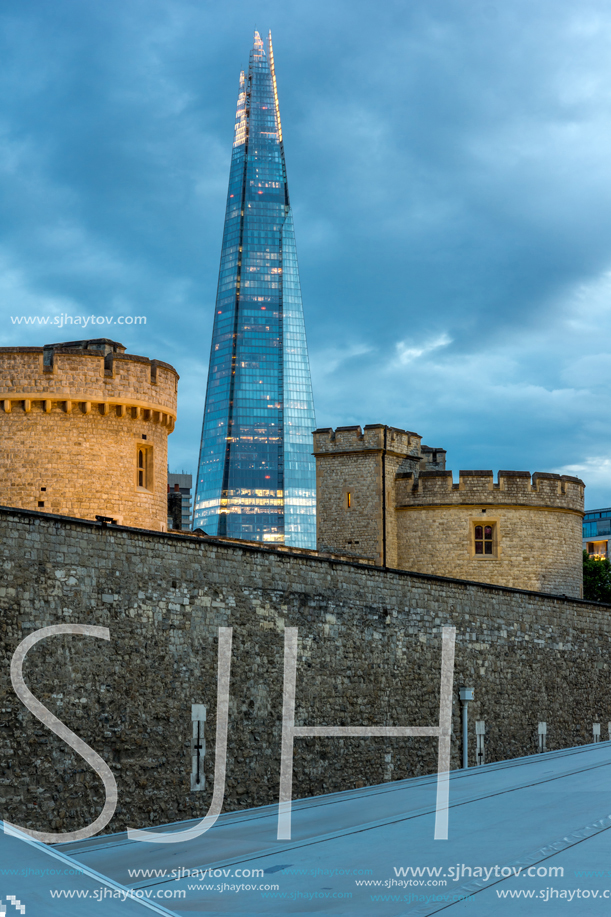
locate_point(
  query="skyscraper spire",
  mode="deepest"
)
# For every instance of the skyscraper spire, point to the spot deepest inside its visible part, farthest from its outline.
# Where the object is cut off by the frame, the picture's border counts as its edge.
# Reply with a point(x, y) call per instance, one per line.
point(256, 476)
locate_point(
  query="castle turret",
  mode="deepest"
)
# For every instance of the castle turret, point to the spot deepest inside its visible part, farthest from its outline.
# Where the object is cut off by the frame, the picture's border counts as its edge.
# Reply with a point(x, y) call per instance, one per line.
point(83, 431)
point(353, 469)
point(383, 495)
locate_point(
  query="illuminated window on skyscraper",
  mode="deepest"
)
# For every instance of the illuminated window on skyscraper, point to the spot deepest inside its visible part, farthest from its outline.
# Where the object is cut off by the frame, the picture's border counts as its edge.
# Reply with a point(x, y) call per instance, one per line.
point(257, 477)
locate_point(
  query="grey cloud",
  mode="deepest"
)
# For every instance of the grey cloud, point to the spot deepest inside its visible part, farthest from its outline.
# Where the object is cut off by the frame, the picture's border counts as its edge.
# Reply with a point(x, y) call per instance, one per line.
point(449, 167)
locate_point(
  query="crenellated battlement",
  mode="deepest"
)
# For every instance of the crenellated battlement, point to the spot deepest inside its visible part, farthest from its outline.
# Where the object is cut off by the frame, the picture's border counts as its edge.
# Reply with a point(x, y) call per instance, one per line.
point(95, 374)
point(512, 487)
point(84, 431)
point(373, 437)
point(384, 496)
point(433, 458)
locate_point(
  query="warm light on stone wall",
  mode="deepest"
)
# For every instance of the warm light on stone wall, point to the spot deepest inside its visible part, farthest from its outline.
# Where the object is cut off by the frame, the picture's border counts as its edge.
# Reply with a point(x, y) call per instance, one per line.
point(72, 421)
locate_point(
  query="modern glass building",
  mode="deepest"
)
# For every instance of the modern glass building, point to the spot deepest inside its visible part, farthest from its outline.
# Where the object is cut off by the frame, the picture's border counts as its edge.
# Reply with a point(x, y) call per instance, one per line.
point(597, 532)
point(256, 478)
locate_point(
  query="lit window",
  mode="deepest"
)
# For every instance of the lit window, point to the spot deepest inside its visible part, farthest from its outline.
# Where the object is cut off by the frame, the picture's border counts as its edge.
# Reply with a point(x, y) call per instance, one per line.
point(484, 539)
point(598, 549)
point(348, 500)
point(144, 467)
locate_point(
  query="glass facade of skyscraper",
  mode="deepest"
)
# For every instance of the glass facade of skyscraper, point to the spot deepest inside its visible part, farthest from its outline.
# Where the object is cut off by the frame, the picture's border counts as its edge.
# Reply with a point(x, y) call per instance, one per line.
point(256, 477)
point(597, 532)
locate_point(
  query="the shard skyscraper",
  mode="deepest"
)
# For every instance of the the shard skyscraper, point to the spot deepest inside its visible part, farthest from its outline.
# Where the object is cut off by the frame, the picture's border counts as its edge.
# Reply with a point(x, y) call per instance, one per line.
point(256, 477)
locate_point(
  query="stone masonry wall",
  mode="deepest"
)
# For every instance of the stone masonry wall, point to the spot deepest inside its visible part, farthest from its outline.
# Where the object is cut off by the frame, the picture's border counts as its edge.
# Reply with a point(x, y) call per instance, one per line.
point(121, 378)
point(535, 549)
point(70, 431)
point(357, 529)
point(369, 653)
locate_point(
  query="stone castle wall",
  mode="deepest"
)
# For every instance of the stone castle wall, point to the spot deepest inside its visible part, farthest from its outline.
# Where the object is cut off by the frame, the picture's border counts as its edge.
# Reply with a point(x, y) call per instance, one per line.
point(369, 653)
point(71, 422)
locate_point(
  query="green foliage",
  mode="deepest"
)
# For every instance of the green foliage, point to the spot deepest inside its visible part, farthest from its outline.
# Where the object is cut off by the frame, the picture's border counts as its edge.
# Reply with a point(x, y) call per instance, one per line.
point(596, 579)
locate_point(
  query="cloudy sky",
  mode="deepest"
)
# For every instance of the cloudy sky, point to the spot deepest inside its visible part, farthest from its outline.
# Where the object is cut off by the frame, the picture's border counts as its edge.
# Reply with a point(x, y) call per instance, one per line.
point(450, 173)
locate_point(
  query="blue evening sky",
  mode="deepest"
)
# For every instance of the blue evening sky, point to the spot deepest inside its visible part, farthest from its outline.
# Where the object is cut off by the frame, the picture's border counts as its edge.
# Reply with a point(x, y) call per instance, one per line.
point(450, 172)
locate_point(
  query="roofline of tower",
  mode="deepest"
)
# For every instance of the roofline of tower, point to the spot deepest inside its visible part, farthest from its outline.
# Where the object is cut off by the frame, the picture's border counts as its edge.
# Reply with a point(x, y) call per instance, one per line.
point(370, 426)
point(109, 358)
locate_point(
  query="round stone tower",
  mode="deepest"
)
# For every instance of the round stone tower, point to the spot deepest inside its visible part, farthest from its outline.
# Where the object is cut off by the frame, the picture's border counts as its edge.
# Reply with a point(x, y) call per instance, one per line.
point(519, 531)
point(83, 431)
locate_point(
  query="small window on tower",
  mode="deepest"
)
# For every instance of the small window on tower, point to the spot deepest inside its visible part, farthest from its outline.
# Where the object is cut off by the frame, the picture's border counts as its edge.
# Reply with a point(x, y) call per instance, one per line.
point(484, 540)
point(144, 467)
point(348, 500)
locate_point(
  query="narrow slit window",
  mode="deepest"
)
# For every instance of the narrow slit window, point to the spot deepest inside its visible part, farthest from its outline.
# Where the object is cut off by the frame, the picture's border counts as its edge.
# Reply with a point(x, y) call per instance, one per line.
point(348, 500)
point(144, 467)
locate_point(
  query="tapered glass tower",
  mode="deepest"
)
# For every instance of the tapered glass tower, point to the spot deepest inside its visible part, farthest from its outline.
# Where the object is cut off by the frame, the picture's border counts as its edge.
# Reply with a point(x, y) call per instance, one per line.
point(256, 476)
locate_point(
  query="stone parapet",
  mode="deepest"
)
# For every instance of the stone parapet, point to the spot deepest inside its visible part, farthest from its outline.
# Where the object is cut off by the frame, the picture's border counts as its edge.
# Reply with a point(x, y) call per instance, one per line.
point(87, 376)
point(511, 487)
point(375, 436)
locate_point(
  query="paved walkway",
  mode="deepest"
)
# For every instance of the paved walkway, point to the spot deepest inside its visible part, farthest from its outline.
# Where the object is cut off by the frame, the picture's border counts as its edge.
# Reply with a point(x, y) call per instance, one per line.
point(371, 851)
